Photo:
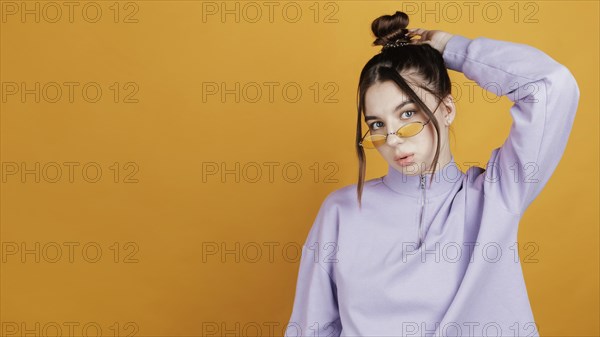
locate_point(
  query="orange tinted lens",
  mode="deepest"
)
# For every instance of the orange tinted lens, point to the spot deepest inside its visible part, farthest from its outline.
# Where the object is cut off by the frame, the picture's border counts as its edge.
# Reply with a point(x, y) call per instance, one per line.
point(373, 141)
point(410, 129)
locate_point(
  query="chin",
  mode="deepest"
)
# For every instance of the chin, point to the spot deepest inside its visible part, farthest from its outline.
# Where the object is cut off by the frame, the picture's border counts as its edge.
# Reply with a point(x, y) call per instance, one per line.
point(412, 169)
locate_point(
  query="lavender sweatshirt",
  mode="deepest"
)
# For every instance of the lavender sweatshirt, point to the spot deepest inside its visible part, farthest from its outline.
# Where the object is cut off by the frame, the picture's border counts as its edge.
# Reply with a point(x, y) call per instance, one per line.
point(363, 271)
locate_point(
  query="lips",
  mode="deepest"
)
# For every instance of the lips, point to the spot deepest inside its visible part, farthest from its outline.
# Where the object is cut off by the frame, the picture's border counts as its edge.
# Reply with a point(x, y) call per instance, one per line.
point(402, 156)
point(405, 159)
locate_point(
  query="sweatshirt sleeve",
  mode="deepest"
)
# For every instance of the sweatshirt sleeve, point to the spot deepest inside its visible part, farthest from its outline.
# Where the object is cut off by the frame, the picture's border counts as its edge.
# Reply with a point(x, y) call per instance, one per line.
point(315, 311)
point(545, 96)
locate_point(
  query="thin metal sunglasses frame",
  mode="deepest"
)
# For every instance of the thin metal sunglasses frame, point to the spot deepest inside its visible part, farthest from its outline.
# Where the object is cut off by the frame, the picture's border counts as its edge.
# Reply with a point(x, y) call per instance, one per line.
point(405, 125)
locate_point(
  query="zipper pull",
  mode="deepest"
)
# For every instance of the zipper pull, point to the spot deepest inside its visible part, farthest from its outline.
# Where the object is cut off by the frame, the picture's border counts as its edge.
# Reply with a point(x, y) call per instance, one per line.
point(422, 182)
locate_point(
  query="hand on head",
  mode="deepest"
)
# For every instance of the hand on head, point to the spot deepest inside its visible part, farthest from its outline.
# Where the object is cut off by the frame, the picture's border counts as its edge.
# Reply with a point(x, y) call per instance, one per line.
point(435, 38)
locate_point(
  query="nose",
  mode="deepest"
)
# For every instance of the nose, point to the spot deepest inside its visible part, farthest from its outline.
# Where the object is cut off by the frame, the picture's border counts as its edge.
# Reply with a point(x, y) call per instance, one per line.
point(393, 139)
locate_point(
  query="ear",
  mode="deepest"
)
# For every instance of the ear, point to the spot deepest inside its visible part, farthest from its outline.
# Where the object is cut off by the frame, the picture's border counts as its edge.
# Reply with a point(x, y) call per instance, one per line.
point(449, 111)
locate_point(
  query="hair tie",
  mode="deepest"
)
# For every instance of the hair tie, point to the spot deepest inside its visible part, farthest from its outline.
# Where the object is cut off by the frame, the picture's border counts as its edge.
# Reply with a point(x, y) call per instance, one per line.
point(397, 43)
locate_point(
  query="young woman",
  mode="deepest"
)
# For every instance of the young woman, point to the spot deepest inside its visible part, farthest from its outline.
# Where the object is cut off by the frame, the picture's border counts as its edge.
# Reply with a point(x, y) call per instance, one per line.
point(428, 250)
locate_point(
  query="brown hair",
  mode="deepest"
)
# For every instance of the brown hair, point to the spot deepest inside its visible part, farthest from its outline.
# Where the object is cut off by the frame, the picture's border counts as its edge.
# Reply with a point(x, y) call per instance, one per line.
point(421, 59)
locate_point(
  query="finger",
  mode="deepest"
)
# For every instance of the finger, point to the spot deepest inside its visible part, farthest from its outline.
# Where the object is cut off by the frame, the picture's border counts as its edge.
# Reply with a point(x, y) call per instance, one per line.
point(413, 37)
point(426, 36)
point(416, 41)
point(418, 31)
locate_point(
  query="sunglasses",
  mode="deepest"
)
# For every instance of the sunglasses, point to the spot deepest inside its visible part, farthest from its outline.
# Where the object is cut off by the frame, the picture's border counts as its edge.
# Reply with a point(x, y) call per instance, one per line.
point(370, 141)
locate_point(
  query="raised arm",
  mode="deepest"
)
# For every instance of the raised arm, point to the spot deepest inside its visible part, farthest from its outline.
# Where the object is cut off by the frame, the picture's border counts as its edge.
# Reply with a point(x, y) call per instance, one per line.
point(315, 311)
point(545, 96)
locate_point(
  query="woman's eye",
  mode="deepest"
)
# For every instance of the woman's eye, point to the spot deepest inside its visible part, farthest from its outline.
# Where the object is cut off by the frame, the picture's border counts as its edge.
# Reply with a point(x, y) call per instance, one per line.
point(410, 112)
point(373, 125)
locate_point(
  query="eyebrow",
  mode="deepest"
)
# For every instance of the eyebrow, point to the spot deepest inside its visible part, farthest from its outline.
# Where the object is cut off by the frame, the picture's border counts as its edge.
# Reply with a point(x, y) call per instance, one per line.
point(408, 101)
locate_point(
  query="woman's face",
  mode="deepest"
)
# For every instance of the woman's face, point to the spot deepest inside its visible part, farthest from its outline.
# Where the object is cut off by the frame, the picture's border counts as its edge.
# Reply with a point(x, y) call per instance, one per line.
point(387, 108)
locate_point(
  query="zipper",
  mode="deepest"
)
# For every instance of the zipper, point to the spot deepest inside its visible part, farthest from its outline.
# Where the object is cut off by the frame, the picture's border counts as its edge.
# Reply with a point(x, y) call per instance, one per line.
point(423, 194)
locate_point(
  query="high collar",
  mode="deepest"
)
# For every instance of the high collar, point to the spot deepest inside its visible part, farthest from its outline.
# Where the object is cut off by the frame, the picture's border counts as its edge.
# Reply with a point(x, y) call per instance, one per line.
point(441, 181)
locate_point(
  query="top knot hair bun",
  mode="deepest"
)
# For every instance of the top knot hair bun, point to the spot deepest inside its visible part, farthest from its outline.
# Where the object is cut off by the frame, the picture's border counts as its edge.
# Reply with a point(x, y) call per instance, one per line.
point(390, 29)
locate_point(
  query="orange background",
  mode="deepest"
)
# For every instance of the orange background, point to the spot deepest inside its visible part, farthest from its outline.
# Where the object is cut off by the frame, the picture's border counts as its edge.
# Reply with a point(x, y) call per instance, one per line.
point(148, 247)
